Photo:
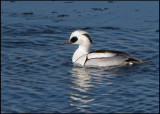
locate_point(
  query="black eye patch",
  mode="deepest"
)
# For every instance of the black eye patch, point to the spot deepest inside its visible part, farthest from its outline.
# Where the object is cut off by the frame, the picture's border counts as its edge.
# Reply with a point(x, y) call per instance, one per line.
point(74, 39)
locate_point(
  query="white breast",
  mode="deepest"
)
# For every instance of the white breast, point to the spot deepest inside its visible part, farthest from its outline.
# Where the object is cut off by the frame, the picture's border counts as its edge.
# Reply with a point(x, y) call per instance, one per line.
point(81, 60)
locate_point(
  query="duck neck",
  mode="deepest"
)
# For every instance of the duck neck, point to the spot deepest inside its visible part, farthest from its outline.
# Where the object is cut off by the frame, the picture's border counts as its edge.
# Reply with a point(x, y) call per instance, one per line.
point(82, 50)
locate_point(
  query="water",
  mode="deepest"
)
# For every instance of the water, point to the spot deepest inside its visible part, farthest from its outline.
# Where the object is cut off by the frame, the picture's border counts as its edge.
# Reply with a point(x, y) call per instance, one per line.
point(37, 72)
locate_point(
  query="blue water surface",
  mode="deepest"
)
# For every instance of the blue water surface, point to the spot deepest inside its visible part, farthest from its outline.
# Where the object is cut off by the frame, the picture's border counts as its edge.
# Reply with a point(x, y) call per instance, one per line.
point(37, 73)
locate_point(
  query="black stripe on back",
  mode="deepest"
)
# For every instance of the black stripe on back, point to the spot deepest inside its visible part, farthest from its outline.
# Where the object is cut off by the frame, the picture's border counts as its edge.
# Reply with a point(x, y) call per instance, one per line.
point(109, 51)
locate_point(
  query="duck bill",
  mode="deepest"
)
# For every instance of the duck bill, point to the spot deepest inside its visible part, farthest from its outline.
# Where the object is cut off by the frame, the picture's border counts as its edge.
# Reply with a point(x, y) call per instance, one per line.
point(67, 42)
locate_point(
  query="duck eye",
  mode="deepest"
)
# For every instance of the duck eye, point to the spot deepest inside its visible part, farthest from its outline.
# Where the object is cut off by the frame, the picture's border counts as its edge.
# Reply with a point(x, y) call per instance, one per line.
point(74, 39)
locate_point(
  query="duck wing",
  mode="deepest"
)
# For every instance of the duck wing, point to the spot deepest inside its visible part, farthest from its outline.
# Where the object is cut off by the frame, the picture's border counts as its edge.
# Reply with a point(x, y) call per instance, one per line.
point(109, 58)
point(105, 53)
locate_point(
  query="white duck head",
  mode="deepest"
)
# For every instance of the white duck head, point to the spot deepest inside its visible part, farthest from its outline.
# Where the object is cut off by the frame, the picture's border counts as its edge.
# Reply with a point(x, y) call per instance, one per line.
point(81, 38)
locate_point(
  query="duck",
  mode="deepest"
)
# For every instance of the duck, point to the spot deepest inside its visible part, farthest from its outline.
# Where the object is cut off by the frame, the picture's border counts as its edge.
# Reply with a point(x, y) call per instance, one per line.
point(100, 58)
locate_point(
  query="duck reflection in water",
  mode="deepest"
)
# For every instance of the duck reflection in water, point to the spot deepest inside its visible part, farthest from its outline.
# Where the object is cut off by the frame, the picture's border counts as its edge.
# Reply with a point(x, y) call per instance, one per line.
point(82, 85)
point(91, 85)
point(84, 79)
